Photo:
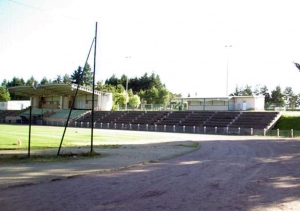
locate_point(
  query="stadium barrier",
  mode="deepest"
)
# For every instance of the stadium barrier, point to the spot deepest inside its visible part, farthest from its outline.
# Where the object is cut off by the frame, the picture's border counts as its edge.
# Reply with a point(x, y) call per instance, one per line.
point(179, 129)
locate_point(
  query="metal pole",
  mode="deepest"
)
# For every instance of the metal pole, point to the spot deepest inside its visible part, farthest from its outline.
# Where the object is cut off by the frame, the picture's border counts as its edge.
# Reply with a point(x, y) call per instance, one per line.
point(126, 93)
point(227, 80)
point(73, 103)
point(93, 97)
point(227, 74)
point(29, 135)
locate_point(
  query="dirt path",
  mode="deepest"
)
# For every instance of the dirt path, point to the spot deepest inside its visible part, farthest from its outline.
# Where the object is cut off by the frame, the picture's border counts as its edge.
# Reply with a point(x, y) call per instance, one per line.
point(226, 173)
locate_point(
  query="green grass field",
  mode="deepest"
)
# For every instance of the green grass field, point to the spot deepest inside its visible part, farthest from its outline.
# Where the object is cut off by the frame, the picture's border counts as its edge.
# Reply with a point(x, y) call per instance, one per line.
point(288, 121)
point(43, 137)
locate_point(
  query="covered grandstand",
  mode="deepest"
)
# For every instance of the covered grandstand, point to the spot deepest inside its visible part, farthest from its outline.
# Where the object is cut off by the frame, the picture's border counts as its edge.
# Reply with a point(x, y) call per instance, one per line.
point(60, 96)
point(54, 101)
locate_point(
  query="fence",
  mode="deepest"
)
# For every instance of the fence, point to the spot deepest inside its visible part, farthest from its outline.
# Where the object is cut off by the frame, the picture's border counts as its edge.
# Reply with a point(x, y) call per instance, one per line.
point(179, 129)
point(148, 107)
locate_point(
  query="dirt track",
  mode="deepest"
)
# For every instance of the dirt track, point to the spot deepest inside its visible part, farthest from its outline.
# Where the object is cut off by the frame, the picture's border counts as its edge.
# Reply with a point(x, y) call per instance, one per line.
point(226, 173)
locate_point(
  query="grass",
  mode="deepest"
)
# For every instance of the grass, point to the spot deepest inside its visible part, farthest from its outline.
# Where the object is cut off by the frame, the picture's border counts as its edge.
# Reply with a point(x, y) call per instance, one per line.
point(45, 137)
point(287, 122)
point(193, 145)
point(48, 158)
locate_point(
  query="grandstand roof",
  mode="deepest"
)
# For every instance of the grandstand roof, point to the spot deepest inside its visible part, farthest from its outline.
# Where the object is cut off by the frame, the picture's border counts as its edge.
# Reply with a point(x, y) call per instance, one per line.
point(50, 90)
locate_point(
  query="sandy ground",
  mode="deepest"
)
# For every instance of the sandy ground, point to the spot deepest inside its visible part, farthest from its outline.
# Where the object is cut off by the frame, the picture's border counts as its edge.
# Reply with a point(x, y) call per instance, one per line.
point(225, 173)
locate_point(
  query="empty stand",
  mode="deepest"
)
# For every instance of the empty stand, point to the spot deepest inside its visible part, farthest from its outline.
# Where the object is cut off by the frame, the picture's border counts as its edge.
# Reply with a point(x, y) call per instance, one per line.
point(255, 120)
point(221, 119)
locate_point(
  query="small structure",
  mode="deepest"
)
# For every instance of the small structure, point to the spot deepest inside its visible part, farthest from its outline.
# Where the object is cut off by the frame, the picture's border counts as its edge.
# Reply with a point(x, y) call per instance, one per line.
point(231, 103)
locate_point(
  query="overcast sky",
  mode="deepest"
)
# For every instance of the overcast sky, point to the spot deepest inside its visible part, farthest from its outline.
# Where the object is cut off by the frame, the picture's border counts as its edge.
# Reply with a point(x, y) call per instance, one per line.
point(183, 41)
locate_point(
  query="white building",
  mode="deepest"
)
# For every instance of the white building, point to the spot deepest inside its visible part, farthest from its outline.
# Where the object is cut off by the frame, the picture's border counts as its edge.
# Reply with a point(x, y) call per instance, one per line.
point(231, 103)
point(14, 105)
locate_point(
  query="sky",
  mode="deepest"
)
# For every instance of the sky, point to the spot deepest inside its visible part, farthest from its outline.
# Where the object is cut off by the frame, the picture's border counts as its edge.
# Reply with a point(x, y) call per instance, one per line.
point(182, 41)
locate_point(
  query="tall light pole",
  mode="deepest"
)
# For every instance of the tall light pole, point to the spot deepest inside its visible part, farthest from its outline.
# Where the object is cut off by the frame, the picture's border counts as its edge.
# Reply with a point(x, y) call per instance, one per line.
point(227, 74)
point(127, 57)
point(126, 92)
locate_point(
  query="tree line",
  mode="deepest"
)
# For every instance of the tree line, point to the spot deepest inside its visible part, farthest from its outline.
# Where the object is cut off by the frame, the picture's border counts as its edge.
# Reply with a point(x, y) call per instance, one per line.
point(275, 98)
point(147, 89)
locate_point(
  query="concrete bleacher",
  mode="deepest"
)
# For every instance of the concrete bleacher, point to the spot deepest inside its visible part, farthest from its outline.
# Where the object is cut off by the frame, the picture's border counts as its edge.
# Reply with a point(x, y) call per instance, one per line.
point(5, 113)
point(197, 118)
point(200, 119)
point(64, 113)
point(255, 120)
point(150, 117)
point(98, 115)
point(35, 111)
point(221, 119)
point(105, 116)
point(128, 117)
point(174, 118)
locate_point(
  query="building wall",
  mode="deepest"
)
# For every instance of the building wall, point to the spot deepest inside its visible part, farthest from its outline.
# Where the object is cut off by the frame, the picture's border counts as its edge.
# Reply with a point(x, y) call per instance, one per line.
point(235, 103)
point(14, 105)
point(253, 103)
point(260, 104)
point(250, 103)
point(105, 101)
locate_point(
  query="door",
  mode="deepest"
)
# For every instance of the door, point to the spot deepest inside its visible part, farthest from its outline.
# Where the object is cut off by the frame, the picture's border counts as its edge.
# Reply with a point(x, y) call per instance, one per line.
point(244, 106)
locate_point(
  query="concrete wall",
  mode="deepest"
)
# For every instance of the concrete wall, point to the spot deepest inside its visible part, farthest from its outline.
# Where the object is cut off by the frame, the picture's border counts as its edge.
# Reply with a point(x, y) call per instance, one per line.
point(260, 104)
point(14, 105)
point(206, 108)
point(105, 102)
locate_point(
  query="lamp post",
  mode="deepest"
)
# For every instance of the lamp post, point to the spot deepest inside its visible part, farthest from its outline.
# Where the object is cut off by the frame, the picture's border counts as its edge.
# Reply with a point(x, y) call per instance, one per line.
point(227, 74)
point(127, 57)
point(126, 93)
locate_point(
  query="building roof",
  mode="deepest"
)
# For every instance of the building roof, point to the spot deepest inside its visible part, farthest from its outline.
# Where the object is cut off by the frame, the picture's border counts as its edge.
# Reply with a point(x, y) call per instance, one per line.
point(51, 90)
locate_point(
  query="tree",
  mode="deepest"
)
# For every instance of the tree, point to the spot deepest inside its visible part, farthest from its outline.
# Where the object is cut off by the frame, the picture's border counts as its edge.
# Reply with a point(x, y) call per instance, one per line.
point(87, 75)
point(67, 79)
point(277, 97)
point(294, 101)
point(4, 83)
point(152, 96)
point(4, 94)
point(77, 76)
point(247, 91)
point(31, 82)
point(44, 81)
point(58, 80)
point(134, 100)
point(120, 98)
point(120, 88)
point(105, 87)
point(16, 82)
point(238, 91)
point(297, 103)
point(83, 76)
point(163, 96)
point(289, 97)
point(113, 80)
